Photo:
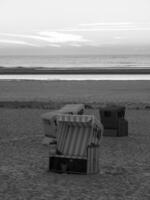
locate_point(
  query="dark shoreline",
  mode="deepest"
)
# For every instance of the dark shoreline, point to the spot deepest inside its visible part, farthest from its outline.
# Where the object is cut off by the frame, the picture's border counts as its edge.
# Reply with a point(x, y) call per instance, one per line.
point(40, 70)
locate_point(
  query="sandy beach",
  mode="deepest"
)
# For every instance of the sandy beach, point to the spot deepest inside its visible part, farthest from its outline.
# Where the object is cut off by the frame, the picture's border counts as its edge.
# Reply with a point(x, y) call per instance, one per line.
point(53, 93)
point(124, 162)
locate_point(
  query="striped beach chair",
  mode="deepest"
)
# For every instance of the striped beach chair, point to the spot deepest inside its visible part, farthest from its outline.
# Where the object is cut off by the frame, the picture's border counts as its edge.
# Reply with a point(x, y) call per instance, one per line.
point(78, 141)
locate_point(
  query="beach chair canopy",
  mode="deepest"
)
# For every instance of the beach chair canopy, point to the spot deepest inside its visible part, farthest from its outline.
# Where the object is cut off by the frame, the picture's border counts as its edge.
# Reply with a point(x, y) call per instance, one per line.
point(49, 115)
point(72, 109)
point(119, 111)
point(76, 132)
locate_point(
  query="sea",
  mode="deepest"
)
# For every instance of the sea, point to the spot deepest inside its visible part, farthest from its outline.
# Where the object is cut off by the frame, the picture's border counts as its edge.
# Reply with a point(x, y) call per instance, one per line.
point(76, 61)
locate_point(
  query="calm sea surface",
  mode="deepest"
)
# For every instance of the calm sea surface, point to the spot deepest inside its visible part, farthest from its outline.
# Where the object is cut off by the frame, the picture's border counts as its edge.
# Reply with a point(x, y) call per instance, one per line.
point(76, 61)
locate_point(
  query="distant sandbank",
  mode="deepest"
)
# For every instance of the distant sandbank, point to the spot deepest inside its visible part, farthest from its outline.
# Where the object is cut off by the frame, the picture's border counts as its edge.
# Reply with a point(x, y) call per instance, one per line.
point(78, 70)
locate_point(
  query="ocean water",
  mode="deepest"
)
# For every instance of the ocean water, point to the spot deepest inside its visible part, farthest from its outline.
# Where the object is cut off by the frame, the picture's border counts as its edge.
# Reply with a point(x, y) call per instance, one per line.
point(67, 61)
point(75, 61)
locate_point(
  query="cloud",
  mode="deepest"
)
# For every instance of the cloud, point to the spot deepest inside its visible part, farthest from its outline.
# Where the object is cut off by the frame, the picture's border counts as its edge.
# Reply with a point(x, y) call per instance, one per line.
point(57, 37)
point(76, 36)
point(49, 38)
point(17, 42)
point(76, 45)
point(54, 45)
point(120, 37)
point(106, 29)
point(108, 24)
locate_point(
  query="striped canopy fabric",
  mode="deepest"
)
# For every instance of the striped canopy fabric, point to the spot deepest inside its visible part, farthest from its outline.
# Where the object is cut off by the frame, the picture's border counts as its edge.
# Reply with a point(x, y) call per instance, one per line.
point(76, 132)
point(79, 120)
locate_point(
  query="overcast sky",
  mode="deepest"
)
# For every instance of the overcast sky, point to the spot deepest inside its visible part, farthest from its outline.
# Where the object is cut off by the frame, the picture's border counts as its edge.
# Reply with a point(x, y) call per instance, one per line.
point(75, 24)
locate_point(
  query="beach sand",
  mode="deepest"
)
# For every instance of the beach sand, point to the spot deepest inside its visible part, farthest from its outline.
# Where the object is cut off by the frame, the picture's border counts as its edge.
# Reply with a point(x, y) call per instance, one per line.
point(88, 92)
point(124, 162)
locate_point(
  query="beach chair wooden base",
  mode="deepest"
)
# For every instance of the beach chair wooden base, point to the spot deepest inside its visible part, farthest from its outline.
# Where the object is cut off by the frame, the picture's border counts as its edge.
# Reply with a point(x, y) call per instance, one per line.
point(121, 131)
point(110, 132)
point(76, 164)
point(68, 165)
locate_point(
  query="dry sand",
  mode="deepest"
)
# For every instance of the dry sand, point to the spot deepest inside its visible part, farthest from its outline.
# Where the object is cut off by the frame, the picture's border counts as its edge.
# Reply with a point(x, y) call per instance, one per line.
point(124, 162)
point(125, 92)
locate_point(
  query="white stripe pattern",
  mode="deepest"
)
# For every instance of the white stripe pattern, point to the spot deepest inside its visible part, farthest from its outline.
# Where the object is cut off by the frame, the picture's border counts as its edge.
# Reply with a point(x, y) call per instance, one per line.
point(75, 133)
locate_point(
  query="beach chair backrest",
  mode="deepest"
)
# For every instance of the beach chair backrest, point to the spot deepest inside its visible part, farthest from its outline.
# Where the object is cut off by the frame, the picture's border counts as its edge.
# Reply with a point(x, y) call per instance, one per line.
point(75, 133)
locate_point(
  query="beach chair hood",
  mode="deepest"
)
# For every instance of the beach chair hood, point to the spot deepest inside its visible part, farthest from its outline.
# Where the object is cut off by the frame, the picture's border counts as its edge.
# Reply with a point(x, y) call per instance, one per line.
point(75, 133)
point(80, 120)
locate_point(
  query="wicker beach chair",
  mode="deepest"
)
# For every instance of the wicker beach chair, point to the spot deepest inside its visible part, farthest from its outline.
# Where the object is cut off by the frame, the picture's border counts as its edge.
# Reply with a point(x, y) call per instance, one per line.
point(78, 141)
point(113, 120)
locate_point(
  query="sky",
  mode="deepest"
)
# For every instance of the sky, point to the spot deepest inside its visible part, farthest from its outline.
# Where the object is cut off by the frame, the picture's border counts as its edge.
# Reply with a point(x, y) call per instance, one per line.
point(77, 26)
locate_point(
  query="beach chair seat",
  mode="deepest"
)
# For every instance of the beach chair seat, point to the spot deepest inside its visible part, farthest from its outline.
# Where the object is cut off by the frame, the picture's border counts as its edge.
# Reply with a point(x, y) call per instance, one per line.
point(78, 140)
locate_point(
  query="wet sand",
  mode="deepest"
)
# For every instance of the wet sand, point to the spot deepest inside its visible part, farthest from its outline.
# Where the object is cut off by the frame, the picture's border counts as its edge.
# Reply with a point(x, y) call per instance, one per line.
point(78, 70)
